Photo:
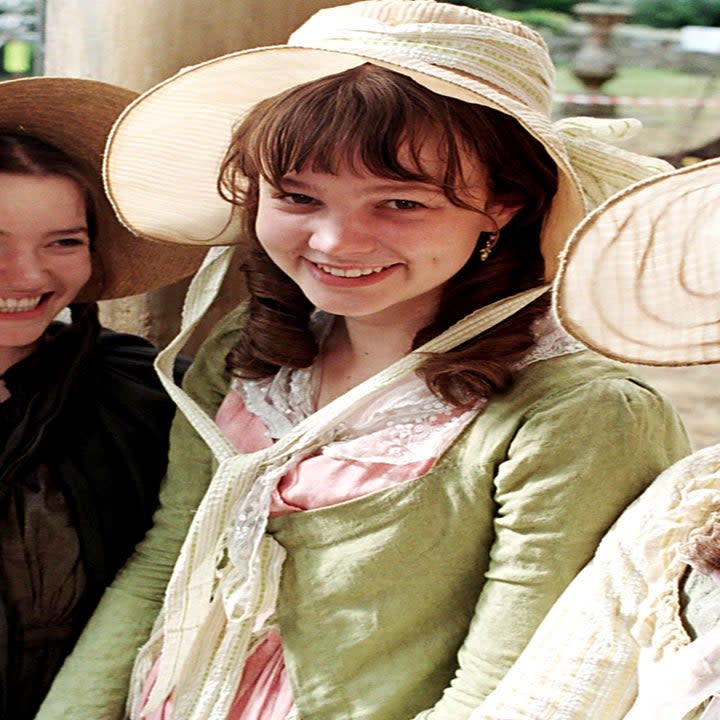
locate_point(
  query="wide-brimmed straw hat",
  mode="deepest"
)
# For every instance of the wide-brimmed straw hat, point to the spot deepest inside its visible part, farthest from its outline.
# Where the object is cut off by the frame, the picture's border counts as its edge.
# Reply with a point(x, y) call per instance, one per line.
point(640, 278)
point(170, 142)
point(75, 115)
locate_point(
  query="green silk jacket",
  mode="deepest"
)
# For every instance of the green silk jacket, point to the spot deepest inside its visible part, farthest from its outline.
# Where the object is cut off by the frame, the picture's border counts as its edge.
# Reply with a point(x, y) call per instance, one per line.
point(412, 601)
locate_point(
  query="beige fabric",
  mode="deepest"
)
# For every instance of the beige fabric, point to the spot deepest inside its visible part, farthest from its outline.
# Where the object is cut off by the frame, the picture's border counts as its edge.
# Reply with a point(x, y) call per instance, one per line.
point(171, 141)
point(640, 279)
point(620, 612)
point(75, 115)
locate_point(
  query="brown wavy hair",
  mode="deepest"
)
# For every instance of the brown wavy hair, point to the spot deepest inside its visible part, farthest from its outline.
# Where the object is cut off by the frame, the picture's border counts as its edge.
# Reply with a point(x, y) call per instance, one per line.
point(360, 119)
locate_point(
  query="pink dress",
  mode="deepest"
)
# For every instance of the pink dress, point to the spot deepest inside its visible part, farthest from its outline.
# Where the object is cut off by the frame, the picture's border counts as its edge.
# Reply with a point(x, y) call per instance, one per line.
point(387, 455)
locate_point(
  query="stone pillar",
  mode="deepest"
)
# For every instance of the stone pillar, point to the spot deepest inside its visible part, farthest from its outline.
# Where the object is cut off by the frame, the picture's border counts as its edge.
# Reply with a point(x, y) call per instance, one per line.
point(137, 43)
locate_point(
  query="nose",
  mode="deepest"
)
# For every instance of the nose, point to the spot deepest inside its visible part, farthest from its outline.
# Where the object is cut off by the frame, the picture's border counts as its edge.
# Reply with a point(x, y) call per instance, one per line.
point(343, 234)
point(21, 269)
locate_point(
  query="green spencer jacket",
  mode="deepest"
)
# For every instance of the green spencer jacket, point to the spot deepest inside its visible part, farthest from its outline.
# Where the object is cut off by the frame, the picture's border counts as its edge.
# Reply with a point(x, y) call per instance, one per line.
point(413, 601)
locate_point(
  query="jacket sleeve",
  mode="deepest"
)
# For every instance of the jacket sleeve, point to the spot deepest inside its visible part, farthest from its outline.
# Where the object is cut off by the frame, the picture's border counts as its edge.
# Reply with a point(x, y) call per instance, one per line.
point(577, 459)
point(93, 682)
point(582, 661)
point(622, 613)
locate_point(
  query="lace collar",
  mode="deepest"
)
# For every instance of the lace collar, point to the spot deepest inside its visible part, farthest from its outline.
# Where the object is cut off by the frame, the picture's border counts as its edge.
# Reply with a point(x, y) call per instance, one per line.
point(286, 399)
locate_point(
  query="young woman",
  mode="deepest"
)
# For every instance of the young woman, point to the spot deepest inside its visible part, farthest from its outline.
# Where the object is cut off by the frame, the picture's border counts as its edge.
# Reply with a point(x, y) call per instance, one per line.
point(617, 644)
point(83, 418)
point(408, 474)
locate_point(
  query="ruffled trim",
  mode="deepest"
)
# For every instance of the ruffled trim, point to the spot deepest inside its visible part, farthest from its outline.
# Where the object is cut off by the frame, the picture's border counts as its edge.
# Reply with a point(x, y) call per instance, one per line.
point(287, 398)
point(679, 506)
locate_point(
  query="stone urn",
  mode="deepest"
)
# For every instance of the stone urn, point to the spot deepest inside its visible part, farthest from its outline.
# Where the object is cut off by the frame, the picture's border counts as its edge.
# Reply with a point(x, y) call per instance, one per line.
point(595, 62)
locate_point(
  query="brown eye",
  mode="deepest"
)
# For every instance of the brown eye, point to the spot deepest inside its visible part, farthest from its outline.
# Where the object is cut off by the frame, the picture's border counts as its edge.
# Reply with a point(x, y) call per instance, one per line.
point(69, 242)
point(405, 204)
point(299, 198)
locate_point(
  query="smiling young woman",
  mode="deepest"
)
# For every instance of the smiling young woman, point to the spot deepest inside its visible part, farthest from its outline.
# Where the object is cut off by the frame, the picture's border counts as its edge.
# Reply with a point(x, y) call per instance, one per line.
point(83, 417)
point(404, 460)
point(44, 257)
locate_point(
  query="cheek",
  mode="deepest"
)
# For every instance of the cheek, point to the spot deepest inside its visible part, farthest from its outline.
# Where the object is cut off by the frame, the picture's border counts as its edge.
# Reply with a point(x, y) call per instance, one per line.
point(462, 250)
point(268, 229)
point(282, 235)
point(86, 265)
point(78, 271)
point(261, 221)
point(267, 239)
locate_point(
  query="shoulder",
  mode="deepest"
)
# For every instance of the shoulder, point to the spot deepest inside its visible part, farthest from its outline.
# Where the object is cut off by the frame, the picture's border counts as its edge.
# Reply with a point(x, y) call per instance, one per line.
point(207, 380)
point(582, 414)
point(125, 347)
point(697, 473)
point(132, 357)
point(594, 399)
point(578, 389)
point(583, 371)
point(222, 336)
point(679, 503)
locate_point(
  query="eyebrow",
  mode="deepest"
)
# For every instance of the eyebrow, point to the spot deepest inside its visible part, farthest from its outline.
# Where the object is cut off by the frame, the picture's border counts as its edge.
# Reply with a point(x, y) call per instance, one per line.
point(392, 186)
point(70, 230)
point(79, 230)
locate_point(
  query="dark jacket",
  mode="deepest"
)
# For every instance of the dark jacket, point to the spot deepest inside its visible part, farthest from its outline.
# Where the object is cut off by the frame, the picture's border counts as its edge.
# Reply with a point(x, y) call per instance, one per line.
point(85, 432)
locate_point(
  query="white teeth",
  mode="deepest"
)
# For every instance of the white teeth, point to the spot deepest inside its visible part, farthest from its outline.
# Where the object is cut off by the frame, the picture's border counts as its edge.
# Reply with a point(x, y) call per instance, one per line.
point(350, 272)
point(15, 305)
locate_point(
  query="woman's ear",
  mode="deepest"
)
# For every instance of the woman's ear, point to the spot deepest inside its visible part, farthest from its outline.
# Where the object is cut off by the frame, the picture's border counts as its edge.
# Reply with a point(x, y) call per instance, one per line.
point(503, 212)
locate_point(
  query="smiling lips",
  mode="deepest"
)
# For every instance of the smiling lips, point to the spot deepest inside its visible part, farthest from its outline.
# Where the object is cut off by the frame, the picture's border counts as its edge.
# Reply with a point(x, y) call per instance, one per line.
point(19, 305)
point(351, 272)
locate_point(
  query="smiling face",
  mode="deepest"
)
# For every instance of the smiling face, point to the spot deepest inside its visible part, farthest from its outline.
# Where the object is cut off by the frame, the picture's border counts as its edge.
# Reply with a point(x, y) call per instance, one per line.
point(44, 257)
point(362, 245)
point(365, 191)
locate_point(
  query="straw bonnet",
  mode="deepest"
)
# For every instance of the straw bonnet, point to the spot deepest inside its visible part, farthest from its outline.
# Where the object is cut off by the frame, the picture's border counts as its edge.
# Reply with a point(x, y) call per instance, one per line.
point(75, 115)
point(640, 278)
point(171, 141)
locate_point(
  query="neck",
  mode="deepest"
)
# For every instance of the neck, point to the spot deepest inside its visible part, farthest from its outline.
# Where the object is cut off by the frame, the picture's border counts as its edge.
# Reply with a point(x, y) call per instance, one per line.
point(10, 356)
point(357, 350)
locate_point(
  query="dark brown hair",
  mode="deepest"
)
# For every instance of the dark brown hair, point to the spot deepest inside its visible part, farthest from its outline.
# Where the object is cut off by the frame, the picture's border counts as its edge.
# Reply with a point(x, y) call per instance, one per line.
point(360, 119)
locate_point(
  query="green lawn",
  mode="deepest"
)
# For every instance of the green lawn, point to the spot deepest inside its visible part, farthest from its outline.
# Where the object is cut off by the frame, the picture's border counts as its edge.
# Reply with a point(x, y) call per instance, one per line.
point(667, 129)
point(643, 82)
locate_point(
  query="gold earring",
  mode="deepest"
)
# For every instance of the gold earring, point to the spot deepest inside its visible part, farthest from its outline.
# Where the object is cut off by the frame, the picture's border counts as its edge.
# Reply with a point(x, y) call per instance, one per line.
point(489, 240)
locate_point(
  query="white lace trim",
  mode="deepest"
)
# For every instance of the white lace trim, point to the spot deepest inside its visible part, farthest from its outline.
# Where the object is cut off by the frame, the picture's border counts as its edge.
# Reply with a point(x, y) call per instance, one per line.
point(550, 341)
point(287, 398)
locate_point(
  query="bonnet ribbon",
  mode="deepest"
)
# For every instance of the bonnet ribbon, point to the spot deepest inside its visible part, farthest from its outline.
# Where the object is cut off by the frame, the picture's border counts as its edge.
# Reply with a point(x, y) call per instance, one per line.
point(228, 572)
point(601, 167)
